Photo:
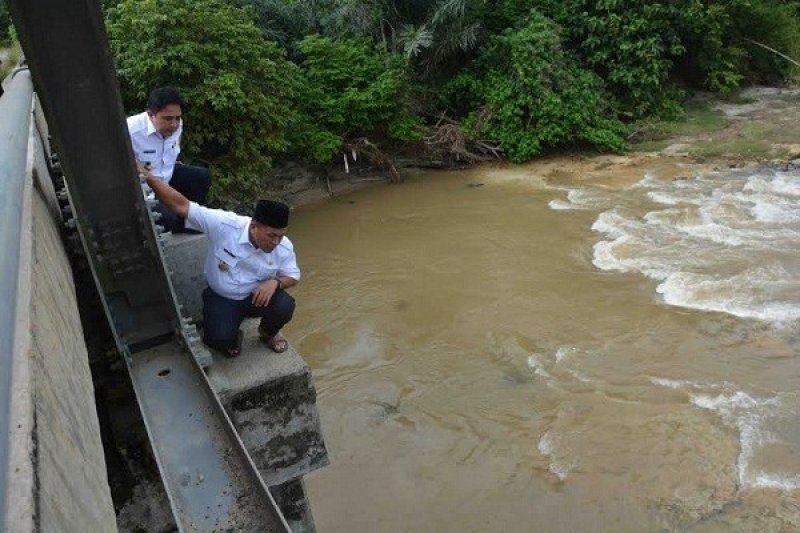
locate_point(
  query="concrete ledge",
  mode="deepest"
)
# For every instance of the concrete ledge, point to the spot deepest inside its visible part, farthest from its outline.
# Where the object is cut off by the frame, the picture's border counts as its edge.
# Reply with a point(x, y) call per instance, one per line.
point(272, 401)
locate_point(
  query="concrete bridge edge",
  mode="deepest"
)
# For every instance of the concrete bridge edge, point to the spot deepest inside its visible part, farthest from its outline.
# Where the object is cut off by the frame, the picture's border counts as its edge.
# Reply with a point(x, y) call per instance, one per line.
point(57, 479)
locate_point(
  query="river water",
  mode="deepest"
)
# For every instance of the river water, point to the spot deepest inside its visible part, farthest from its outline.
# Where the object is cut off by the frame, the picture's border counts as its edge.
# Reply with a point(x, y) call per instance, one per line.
point(534, 349)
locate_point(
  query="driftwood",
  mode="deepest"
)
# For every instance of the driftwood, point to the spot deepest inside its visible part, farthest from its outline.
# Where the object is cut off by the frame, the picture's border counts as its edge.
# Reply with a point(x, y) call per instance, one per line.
point(447, 136)
point(375, 155)
point(447, 141)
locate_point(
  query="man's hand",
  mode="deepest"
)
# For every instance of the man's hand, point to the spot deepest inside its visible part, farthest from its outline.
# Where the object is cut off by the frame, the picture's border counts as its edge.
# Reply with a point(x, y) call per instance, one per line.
point(169, 197)
point(263, 293)
point(144, 172)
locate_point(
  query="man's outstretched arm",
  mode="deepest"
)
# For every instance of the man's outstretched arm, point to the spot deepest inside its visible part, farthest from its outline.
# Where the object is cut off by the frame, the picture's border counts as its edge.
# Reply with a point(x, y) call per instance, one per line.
point(169, 197)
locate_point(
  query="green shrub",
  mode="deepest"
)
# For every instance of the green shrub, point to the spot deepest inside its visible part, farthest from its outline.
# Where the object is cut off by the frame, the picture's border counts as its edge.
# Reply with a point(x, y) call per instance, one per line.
point(350, 89)
point(641, 48)
point(5, 24)
point(10, 63)
point(236, 83)
point(532, 96)
point(771, 22)
point(630, 44)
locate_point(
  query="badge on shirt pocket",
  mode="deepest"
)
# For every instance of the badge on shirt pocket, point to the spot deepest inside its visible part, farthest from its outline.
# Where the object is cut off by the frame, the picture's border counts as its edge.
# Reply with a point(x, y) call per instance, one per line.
point(223, 266)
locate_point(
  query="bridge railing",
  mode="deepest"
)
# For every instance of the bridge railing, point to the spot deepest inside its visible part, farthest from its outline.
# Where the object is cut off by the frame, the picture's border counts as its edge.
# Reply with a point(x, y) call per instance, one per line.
point(15, 119)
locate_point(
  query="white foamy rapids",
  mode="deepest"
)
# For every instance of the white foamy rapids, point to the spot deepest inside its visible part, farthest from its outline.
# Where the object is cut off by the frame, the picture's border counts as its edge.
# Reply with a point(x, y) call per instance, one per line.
point(675, 384)
point(649, 181)
point(625, 255)
point(774, 200)
point(751, 223)
point(772, 481)
point(560, 205)
point(565, 351)
point(590, 198)
point(723, 242)
point(537, 366)
point(549, 446)
point(766, 293)
point(673, 198)
point(781, 183)
point(750, 416)
point(656, 250)
point(767, 211)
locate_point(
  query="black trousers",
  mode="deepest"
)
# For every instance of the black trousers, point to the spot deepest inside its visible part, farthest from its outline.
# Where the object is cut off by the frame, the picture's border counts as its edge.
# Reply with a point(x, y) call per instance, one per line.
point(222, 317)
point(192, 182)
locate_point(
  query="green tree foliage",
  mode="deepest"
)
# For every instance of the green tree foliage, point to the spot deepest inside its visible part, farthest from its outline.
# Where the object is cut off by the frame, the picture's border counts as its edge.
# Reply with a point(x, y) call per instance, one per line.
point(641, 48)
point(288, 22)
point(532, 74)
point(719, 35)
point(629, 43)
point(237, 84)
point(430, 32)
point(5, 24)
point(450, 30)
point(350, 89)
point(531, 96)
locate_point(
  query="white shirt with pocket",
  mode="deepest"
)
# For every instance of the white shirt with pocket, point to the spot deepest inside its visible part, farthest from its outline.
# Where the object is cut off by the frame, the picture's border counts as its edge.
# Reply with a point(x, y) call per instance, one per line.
point(150, 147)
point(234, 267)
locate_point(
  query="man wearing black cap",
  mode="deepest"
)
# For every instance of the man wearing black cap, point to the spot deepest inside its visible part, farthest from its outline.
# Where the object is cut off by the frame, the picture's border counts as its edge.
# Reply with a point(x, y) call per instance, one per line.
point(249, 265)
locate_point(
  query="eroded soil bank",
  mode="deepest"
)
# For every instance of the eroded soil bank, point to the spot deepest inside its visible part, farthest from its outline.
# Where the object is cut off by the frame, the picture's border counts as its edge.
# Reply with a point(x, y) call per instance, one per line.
point(758, 125)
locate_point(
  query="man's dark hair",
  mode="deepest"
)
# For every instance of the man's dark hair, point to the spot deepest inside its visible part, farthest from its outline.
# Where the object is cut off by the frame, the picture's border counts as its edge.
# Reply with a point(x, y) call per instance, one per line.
point(162, 97)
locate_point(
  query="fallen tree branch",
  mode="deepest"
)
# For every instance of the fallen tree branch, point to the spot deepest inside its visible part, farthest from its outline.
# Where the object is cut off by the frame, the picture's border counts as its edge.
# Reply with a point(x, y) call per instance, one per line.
point(765, 47)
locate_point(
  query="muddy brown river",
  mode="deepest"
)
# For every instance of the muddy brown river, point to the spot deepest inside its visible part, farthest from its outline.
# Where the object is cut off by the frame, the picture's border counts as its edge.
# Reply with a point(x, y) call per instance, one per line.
point(598, 346)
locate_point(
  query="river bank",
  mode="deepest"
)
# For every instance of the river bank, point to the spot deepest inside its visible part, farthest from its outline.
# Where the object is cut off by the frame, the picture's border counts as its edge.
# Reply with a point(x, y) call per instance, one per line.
point(758, 125)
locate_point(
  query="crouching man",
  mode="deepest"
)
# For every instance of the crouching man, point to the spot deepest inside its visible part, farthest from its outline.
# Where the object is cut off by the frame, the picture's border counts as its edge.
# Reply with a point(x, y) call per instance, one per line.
point(249, 265)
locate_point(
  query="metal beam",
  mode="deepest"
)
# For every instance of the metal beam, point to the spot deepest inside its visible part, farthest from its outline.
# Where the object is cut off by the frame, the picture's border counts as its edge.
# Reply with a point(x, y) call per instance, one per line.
point(66, 46)
point(15, 119)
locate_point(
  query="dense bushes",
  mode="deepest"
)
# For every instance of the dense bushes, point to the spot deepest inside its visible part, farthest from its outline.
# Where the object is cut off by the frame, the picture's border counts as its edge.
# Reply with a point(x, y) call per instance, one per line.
point(349, 90)
point(719, 39)
point(304, 78)
point(646, 51)
point(531, 96)
point(5, 24)
point(629, 43)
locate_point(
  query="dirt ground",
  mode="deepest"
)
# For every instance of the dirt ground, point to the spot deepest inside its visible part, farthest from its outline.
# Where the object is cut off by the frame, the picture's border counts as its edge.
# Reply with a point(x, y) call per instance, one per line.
point(759, 124)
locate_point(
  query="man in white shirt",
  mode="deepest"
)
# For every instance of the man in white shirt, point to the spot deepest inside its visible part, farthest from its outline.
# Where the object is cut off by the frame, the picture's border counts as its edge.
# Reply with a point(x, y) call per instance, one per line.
point(156, 140)
point(249, 265)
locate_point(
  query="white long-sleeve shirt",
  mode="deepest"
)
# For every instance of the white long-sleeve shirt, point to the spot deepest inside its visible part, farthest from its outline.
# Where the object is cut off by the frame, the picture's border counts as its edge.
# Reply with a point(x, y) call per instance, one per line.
point(234, 267)
point(150, 147)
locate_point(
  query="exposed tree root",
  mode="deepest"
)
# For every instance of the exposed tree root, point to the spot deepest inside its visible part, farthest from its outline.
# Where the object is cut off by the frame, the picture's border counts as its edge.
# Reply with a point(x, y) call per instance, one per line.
point(448, 138)
point(363, 147)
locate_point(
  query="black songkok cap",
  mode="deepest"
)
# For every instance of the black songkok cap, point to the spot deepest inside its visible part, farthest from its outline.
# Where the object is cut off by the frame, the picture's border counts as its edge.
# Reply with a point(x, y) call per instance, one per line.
point(272, 214)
